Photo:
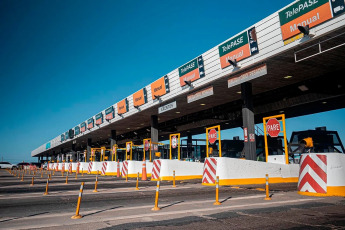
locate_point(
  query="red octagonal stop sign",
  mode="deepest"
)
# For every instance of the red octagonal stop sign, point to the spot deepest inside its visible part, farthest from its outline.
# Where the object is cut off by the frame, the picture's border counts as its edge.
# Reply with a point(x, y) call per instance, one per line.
point(273, 127)
point(212, 136)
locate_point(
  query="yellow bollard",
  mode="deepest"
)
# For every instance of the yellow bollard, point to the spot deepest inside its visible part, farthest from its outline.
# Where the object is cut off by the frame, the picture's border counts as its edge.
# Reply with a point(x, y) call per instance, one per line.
point(46, 193)
point(267, 189)
point(32, 181)
point(41, 174)
point(217, 192)
point(137, 186)
point(82, 172)
point(66, 178)
point(174, 184)
point(77, 215)
point(50, 176)
point(76, 175)
point(22, 177)
point(156, 208)
point(96, 182)
point(127, 176)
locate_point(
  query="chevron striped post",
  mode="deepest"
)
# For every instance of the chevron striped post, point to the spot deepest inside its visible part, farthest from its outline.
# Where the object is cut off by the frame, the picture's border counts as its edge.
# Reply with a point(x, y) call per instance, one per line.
point(313, 173)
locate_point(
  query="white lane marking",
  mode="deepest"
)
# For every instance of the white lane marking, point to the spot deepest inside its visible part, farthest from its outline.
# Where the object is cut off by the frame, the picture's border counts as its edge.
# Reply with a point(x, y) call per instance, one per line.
point(89, 192)
point(86, 220)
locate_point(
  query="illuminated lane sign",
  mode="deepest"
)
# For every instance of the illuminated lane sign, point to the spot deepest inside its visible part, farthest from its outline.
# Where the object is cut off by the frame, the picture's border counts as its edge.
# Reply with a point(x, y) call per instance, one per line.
point(140, 97)
point(99, 118)
point(167, 107)
point(90, 123)
point(200, 94)
point(160, 87)
point(191, 71)
point(48, 145)
point(76, 130)
point(66, 135)
point(239, 47)
point(109, 113)
point(83, 127)
point(307, 12)
point(247, 76)
point(122, 106)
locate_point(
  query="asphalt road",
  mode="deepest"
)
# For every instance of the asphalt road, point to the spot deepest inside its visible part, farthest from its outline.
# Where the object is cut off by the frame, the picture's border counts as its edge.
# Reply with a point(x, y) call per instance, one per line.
point(118, 205)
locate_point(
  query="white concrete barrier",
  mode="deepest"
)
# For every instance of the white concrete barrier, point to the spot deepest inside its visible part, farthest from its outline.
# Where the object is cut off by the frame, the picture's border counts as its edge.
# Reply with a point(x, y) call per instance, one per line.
point(232, 171)
point(83, 167)
point(66, 166)
point(60, 166)
point(111, 168)
point(322, 174)
point(74, 166)
point(135, 167)
point(184, 170)
point(96, 167)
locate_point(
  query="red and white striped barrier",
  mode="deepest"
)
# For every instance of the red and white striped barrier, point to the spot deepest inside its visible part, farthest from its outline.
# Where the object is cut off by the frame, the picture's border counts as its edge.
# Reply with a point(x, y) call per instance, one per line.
point(322, 174)
point(89, 168)
point(210, 171)
point(70, 167)
point(313, 173)
point(78, 167)
point(104, 167)
point(156, 169)
point(124, 168)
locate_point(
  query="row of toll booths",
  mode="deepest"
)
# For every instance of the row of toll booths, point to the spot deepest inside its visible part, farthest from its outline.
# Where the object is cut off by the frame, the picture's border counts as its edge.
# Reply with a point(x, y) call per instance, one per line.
point(195, 150)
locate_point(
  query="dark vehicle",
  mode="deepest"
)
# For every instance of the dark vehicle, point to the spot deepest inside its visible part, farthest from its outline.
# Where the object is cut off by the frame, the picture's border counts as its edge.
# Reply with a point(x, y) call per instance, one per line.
point(22, 165)
point(35, 165)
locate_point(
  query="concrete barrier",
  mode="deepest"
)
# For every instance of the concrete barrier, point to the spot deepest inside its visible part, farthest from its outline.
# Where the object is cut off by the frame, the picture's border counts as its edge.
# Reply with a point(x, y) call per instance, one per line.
point(184, 170)
point(111, 168)
point(74, 166)
point(96, 166)
point(60, 166)
point(135, 167)
point(66, 166)
point(322, 174)
point(232, 171)
point(83, 167)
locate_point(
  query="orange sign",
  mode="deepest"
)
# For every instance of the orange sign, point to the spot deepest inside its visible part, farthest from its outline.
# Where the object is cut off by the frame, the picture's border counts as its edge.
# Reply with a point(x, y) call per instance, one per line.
point(122, 106)
point(312, 18)
point(140, 97)
point(238, 54)
point(160, 87)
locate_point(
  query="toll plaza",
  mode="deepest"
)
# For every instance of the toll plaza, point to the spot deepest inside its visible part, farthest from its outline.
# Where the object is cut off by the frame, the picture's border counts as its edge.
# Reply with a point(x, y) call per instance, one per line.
point(277, 73)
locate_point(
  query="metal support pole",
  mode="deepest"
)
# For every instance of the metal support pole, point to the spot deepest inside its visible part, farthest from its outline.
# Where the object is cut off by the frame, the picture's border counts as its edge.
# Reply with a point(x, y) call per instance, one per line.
point(174, 184)
point(137, 186)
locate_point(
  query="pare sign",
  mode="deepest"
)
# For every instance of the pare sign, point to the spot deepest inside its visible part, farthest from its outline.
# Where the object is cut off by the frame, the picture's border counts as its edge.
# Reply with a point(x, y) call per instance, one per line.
point(273, 127)
point(212, 136)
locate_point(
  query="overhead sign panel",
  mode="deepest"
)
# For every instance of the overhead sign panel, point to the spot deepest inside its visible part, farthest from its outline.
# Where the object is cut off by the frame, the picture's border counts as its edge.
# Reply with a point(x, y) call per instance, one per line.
point(77, 130)
point(48, 145)
point(167, 107)
point(308, 12)
point(62, 137)
point(160, 87)
point(239, 47)
point(109, 113)
point(90, 123)
point(122, 106)
point(83, 127)
point(66, 135)
point(140, 97)
point(192, 71)
point(99, 118)
point(200, 94)
point(247, 76)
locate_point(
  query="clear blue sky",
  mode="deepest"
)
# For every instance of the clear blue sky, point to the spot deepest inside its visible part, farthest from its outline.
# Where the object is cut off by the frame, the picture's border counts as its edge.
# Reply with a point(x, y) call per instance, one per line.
point(64, 61)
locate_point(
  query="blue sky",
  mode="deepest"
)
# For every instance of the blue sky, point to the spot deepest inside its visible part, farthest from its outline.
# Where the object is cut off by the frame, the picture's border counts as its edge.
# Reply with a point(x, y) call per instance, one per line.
point(64, 61)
